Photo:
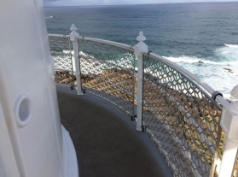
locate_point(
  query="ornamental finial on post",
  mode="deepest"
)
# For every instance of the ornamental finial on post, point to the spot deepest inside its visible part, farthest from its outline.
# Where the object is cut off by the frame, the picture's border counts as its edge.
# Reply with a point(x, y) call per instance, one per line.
point(141, 47)
point(141, 37)
point(73, 35)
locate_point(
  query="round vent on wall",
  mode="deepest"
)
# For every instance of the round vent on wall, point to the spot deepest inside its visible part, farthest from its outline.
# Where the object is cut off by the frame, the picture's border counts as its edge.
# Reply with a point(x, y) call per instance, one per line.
point(23, 110)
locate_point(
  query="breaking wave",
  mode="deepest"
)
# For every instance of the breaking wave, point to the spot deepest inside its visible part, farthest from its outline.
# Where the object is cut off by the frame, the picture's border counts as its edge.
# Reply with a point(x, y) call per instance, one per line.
point(219, 71)
point(48, 17)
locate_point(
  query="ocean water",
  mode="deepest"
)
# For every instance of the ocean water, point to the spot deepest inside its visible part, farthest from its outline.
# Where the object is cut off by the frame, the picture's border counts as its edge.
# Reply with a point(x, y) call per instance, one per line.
point(194, 35)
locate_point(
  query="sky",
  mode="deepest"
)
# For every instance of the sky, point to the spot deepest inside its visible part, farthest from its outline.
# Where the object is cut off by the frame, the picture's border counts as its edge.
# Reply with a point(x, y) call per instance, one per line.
point(115, 2)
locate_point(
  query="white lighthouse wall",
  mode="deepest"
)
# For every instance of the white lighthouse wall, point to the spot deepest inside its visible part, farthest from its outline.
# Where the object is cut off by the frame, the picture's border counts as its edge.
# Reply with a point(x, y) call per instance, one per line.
point(27, 92)
point(8, 167)
point(50, 66)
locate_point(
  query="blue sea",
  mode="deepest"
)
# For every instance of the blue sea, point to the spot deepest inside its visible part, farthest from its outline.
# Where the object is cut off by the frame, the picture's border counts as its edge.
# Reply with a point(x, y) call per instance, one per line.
point(201, 37)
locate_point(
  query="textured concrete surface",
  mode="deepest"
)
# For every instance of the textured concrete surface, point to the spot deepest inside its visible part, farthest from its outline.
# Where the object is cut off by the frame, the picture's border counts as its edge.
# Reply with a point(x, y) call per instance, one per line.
point(105, 139)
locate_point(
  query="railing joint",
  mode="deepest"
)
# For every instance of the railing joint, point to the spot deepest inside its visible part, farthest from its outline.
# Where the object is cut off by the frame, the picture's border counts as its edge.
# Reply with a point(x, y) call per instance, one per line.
point(133, 117)
point(84, 90)
point(71, 87)
point(149, 52)
point(215, 94)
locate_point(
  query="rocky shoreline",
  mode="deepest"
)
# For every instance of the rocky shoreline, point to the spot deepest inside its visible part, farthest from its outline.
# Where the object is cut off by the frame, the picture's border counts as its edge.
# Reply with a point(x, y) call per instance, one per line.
point(65, 77)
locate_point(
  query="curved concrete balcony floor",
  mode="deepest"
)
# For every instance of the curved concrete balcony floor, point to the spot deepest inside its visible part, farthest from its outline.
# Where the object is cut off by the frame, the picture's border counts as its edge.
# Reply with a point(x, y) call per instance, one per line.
point(105, 139)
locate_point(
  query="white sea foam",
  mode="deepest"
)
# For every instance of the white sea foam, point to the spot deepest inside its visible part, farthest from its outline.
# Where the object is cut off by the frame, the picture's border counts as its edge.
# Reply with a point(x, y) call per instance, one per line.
point(231, 45)
point(214, 70)
point(190, 60)
point(227, 54)
point(68, 51)
point(49, 17)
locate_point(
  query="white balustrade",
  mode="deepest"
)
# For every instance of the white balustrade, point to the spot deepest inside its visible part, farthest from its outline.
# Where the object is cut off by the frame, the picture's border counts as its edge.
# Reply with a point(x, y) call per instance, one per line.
point(229, 119)
point(74, 36)
point(229, 124)
point(140, 48)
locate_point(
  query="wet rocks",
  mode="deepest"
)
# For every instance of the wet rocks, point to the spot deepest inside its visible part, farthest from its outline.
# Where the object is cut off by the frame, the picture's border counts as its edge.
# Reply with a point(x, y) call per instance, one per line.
point(65, 77)
point(228, 70)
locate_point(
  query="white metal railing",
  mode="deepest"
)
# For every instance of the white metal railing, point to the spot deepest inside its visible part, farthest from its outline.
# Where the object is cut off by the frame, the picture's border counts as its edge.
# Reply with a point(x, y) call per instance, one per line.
point(203, 84)
point(117, 44)
point(194, 110)
point(224, 165)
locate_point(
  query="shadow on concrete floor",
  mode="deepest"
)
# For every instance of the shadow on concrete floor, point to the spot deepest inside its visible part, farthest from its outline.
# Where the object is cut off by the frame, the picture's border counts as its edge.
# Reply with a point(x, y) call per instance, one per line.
point(105, 139)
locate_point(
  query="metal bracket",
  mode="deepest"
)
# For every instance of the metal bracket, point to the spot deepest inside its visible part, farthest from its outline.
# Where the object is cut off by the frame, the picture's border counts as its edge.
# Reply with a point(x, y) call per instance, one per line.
point(72, 87)
point(143, 129)
point(133, 117)
point(215, 94)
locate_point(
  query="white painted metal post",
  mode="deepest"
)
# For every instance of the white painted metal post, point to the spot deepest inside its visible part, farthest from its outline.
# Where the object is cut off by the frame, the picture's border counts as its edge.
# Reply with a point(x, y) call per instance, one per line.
point(229, 124)
point(140, 48)
point(75, 59)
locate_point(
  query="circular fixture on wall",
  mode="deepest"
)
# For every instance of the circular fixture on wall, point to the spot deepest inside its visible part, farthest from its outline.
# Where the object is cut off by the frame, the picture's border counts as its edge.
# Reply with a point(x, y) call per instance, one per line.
point(23, 110)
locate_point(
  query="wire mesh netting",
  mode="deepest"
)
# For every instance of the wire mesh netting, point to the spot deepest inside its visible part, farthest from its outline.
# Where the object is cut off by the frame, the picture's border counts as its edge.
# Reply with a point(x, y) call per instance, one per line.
point(182, 120)
point(108, 71)
point(60, 48)
point(235, 170)
point(181, 117)
point(61, 51)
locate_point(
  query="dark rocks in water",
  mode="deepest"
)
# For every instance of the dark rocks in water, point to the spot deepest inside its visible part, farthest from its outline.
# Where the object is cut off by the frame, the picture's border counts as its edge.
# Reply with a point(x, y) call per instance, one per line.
point(229, 70)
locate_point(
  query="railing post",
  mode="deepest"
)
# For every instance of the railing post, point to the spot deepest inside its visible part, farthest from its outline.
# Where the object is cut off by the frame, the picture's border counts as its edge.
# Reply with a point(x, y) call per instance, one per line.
point(140, 48)
point(229, 124)
point(75, 59)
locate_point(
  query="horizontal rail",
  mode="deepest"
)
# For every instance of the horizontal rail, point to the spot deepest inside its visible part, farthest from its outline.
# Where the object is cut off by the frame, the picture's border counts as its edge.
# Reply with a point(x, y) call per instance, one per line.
point(58, 35)
point(117, 44)
point(180, 69)
point(207, 88)
point(121, 95)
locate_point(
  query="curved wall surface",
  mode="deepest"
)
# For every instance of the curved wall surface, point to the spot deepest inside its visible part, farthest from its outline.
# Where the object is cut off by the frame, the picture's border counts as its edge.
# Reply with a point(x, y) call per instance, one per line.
point(30, 130)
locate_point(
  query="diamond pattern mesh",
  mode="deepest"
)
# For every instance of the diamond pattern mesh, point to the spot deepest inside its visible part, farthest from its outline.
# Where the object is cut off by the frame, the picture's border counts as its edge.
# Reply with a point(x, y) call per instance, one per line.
point(235, 171)
point(108, 71)
point(181, 119)
point(61, 51)
point(178, 115)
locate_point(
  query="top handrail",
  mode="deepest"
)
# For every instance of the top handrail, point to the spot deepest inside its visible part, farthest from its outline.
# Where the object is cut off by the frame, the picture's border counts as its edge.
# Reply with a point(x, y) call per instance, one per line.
point(58, 35)
point(229, 111)
point(117, 44)
point(182, 70)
